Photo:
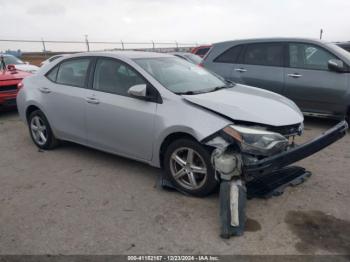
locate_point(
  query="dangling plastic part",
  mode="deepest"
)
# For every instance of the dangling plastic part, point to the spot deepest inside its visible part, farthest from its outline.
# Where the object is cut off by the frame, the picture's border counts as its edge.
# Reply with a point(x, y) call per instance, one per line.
point(233, 198)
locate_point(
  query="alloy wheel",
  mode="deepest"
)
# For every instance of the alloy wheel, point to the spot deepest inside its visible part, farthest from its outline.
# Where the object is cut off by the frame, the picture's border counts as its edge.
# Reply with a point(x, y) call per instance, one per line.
point(188, 168)
point(39, 130)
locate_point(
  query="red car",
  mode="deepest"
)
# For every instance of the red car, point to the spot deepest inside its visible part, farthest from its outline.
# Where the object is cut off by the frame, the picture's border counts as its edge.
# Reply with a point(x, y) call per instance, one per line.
point(10, 79)
point(201, 50)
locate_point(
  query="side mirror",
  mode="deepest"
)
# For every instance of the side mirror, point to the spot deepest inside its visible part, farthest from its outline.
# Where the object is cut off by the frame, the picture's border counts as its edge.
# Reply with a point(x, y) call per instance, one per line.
point(11, 67)
point(138, 91)
point(336, 65)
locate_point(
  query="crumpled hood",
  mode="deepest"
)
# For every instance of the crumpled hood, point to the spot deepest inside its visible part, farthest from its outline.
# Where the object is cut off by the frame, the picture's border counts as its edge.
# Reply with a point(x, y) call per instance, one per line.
point(27, 68)
point(250, 104)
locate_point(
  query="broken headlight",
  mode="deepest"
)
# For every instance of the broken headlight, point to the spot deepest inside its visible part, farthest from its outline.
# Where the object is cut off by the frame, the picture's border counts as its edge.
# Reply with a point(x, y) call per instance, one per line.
point(257, 141)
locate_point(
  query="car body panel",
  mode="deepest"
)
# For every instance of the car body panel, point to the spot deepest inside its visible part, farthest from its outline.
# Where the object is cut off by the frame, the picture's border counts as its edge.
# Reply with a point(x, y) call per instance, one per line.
point(120, 124)
point(266, 77)
point(68, 121)
point(27, 67)
point(9, 81)
point(327, 95)
point(320, 92)
point(250, 104)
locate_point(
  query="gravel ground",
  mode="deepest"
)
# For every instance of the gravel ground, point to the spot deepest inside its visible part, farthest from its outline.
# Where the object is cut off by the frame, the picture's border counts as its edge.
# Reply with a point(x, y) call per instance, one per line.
point(76, 200)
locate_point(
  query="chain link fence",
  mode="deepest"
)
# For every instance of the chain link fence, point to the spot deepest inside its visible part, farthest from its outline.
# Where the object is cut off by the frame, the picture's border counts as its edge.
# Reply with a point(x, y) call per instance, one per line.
point(35, 51)
point(48, 46)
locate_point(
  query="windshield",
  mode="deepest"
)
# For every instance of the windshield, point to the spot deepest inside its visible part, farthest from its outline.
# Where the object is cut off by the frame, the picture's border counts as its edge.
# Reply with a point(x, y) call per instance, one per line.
point(180, 76)
point(340, 50)
point(12, 60)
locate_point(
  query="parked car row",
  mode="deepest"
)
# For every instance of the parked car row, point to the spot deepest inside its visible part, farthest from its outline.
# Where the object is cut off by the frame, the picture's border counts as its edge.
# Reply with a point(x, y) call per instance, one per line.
point(171, 111)
point(203, 124)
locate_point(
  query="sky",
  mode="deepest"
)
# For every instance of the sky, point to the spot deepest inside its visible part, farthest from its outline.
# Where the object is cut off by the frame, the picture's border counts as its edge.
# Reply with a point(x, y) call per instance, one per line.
point(184, 21)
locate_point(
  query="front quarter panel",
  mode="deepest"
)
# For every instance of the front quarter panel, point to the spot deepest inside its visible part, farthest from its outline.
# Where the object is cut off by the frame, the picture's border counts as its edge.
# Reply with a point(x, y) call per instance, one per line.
point(178, 116)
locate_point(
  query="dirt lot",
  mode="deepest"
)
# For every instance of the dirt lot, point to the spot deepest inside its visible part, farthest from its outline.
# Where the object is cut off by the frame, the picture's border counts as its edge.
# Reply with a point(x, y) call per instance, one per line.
point(75, 200)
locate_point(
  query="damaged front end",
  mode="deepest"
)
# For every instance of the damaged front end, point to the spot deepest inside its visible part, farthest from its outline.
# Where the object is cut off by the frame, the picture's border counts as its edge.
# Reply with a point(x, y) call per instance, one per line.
point(245, 155)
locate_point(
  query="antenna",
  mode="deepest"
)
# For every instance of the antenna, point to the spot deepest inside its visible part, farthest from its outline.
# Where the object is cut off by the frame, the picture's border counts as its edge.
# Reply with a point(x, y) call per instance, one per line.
point(321, 33)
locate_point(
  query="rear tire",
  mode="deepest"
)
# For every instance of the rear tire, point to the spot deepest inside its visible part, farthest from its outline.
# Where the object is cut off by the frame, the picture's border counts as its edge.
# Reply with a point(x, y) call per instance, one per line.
point(40, 131)
point(187, 164)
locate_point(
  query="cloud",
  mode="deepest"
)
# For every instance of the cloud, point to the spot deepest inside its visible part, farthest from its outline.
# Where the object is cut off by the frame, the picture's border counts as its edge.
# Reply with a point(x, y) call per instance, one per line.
point(47, 9)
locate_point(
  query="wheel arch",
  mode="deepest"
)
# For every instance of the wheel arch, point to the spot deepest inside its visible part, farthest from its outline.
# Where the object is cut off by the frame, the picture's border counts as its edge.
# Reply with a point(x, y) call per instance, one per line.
point(168, 140)
point(30, 109)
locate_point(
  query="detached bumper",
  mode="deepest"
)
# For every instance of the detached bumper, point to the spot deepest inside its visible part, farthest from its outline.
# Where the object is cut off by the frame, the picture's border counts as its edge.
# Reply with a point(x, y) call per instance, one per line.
point(273, 163)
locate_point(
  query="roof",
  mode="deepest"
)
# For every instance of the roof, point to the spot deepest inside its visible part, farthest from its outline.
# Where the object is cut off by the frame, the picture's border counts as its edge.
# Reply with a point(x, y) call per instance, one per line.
point(271, 39)
point(124, 54)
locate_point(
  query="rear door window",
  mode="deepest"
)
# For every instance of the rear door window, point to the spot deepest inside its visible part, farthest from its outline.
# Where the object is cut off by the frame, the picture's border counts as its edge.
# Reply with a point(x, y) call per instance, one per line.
point(73, 72)
point(265, 54)
point(229, 56)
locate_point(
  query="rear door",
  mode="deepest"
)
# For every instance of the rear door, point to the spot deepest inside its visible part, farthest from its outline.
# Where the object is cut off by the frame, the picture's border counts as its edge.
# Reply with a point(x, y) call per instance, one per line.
point(63, 98)
point(311, 84)
point(117, 122)
point(261, 65)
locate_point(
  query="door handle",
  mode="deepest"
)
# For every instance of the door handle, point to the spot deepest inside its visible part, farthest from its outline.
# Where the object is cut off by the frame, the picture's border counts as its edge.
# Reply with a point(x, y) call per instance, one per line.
point(44, 90)
point(92, 100)
point(295, 75)
point(241, 70)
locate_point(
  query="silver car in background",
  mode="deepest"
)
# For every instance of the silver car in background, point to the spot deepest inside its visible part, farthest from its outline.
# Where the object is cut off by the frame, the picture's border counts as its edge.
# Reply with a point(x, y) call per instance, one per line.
point(164, 111)
point(195, 59)
point(312, 73)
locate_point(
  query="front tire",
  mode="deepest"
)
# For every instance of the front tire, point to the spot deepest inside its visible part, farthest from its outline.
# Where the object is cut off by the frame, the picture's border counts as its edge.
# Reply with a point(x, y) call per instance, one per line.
point(40, 131)
point(188, 166)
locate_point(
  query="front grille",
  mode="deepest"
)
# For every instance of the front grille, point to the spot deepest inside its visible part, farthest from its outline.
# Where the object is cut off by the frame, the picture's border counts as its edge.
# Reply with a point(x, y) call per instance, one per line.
point(286, 130)
point(8, 88)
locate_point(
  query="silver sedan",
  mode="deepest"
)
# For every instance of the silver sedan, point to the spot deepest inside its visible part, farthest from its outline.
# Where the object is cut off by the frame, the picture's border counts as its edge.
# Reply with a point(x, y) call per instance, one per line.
point(155, 108)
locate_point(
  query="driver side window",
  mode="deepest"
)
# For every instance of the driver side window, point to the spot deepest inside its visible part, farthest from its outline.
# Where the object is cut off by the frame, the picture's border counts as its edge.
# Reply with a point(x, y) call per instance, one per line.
point(308, 56)
point(115, 77)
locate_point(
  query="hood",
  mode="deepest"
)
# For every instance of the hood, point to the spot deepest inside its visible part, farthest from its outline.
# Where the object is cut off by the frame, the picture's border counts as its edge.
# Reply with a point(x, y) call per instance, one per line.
point(250, 104)
point(27, 68)
point(12, 75)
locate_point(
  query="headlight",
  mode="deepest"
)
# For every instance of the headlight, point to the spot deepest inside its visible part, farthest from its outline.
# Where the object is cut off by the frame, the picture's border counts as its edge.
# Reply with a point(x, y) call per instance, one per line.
point(256, 141)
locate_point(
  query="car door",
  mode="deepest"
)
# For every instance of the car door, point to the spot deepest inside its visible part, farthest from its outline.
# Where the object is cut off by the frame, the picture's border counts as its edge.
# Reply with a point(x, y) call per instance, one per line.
point(64, 92)
point(261, 65)
point(309, 82)
point(117, 122)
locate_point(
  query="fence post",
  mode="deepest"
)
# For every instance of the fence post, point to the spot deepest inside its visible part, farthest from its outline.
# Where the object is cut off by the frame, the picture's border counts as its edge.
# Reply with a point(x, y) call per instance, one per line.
point(153, 45)
point(87, 43)
point(44, 47)
point(177, 45)
point(121, 41)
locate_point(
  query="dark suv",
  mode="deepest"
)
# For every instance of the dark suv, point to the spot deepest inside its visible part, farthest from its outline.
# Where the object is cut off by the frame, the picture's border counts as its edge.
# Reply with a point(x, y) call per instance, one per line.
point(314, 74)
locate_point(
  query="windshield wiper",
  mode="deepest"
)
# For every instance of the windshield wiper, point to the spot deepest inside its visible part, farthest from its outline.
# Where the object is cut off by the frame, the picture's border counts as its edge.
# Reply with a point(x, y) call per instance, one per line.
point(229, 85)
point(185, 93)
